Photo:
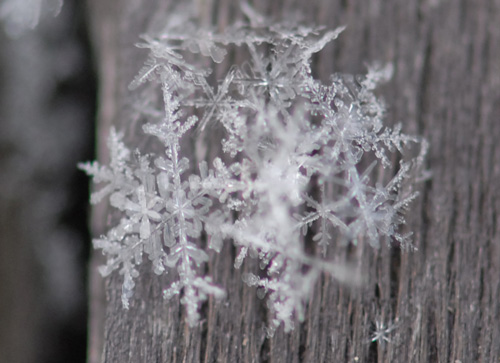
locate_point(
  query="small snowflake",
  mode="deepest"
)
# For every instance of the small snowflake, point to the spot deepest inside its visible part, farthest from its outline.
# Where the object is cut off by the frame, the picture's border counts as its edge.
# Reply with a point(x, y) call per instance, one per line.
point(382, 332)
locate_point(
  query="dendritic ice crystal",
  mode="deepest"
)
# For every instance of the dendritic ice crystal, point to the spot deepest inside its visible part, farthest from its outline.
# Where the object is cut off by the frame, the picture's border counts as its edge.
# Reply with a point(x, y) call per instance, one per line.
point(294, 165)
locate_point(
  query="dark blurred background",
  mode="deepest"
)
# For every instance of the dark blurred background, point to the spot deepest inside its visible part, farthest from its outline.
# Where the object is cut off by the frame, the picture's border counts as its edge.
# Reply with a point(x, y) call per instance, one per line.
point(47, 107)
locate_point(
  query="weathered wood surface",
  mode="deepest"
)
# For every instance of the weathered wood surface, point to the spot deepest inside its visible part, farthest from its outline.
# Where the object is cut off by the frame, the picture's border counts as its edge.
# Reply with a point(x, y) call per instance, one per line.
point(444, 298)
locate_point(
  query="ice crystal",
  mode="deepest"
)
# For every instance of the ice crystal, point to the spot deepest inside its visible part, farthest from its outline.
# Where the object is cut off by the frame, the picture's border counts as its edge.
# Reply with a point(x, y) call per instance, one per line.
point(382, 332)
point(290, 162)
point(20, 15)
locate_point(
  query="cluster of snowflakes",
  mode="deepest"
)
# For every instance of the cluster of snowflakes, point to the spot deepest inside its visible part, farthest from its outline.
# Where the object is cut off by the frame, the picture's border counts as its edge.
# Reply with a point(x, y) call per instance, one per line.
point(288, 172)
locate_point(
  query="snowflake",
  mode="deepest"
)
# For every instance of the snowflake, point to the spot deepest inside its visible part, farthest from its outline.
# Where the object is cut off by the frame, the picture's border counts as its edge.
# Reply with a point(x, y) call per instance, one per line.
point(20, 15)
point(382, 332)
point(289, 161)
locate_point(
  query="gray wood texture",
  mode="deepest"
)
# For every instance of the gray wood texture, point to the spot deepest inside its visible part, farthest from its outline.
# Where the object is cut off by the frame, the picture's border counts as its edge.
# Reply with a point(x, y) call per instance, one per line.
point(444, 298)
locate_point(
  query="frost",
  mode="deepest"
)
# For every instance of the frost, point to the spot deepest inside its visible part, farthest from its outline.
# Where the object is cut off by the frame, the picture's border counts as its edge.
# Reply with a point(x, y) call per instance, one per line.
point(293, 169)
